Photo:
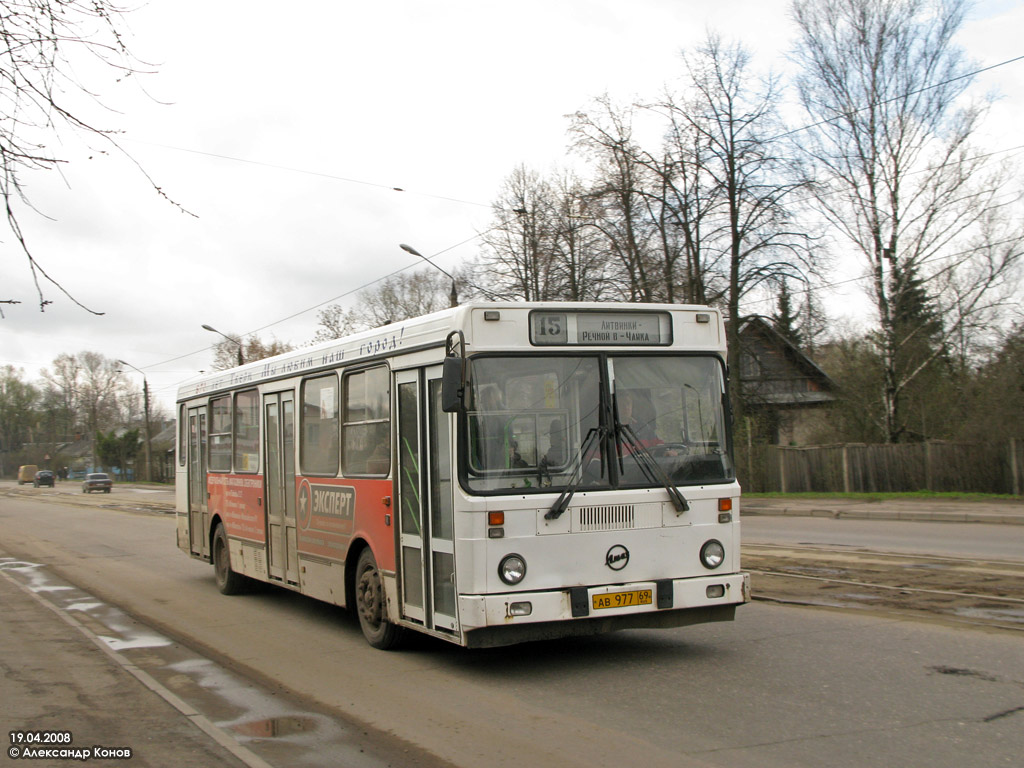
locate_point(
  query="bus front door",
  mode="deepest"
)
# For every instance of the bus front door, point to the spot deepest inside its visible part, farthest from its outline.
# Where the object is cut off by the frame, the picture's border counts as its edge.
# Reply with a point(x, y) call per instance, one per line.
point(198, 511)
point(426, 514)
point(279, 488)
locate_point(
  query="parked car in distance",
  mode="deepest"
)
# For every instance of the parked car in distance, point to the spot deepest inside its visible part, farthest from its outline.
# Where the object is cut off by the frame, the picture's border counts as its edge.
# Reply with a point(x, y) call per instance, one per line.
point(26, 472)
point(97, 481)
point(43, 477)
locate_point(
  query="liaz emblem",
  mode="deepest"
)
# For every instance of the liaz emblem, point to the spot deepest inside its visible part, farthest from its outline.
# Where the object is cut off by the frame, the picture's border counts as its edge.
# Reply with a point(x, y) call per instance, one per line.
point(617, 557)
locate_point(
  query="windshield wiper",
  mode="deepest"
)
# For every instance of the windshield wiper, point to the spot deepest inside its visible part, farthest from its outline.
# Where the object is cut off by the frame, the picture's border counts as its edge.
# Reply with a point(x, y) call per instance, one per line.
point(591, 441)
point(650, 467)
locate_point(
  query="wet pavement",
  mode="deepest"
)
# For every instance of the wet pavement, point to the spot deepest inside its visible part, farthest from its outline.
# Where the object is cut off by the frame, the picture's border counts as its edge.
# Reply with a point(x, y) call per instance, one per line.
point(96, 684)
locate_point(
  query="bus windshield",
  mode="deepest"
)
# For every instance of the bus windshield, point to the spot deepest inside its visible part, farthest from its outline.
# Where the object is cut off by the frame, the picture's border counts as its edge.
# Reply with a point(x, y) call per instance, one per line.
point(540, 423)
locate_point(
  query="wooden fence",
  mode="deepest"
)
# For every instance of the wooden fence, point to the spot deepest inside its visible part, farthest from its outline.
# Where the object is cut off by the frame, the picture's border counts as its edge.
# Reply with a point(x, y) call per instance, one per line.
point(851, 468)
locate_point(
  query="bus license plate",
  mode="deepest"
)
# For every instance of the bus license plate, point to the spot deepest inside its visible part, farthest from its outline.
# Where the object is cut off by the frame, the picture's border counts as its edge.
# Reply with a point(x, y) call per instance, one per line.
point(622, 599)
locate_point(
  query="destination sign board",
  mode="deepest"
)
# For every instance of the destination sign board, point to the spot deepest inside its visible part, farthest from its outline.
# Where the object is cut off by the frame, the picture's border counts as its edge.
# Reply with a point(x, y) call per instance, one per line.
point(600, 328)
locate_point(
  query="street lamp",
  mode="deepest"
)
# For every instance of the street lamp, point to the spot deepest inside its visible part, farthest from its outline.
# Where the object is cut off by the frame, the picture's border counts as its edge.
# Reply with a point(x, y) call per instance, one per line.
point(453, 297)
point(149, 436)
point(241, 360)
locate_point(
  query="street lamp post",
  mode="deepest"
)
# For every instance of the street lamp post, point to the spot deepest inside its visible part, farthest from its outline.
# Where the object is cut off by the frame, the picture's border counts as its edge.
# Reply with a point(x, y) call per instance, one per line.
point(453, 296)
point(147, 475)
point(241, 360)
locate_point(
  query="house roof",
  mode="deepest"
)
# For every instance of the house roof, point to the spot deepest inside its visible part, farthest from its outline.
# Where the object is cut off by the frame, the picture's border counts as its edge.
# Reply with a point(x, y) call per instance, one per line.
point(785, 375)
point(764, 327)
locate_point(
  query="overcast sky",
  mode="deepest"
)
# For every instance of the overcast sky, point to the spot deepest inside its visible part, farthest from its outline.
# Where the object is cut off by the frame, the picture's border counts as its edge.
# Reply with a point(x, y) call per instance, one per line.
point(284, 130)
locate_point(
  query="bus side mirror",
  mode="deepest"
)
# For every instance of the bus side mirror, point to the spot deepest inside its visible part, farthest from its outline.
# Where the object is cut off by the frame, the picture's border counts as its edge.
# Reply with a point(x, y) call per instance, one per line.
point(453, 385)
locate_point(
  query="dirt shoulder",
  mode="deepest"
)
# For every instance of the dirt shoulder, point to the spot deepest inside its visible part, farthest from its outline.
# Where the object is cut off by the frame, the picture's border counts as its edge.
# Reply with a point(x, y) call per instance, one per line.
point(981, 593)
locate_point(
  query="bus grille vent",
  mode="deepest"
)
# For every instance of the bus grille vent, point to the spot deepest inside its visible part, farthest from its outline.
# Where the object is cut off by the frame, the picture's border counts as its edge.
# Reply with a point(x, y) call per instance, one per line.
point(615, 517)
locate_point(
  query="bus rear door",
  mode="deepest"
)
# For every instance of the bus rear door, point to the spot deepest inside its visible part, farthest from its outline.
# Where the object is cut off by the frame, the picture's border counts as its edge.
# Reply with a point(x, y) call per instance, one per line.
point(198, 514)
point(279, 490)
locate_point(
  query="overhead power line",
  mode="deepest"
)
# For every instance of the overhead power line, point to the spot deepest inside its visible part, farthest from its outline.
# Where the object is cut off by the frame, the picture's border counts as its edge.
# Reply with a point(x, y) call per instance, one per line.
point(349, 292)
point(898, 97)
point(306, 171)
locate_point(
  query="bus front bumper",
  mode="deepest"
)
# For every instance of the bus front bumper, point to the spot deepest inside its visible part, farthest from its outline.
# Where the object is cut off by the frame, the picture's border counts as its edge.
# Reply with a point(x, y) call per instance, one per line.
point(645, 603)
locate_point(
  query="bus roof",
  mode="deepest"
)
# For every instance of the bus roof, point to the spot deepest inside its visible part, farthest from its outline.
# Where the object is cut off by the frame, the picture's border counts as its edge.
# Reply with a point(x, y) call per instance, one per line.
point(431, 330)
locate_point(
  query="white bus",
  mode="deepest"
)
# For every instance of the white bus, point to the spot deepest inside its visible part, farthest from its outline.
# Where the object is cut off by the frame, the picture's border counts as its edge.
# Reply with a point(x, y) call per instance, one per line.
point(488, 474)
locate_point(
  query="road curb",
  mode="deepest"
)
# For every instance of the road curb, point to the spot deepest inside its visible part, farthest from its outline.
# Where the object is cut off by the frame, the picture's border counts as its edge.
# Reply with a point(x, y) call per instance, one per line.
point(991, 518)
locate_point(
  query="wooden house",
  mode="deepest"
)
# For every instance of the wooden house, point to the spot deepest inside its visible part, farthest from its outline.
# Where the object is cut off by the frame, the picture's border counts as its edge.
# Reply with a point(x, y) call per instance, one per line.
point(785, 394)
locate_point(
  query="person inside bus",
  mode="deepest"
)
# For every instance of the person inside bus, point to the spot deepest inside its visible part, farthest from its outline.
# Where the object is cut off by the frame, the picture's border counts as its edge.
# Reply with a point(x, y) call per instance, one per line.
point(637, 417)
point(636, 413)
point(555, 455)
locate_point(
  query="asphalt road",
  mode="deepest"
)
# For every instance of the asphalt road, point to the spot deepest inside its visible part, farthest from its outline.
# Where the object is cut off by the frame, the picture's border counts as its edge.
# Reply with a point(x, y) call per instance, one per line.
point(781, 686)
point(991, 542)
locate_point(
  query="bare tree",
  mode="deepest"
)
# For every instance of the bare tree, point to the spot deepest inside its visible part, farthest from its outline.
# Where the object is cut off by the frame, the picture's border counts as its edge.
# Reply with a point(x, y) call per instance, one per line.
point(39, 43)
point(708, 218)
point(519, 260)
point(335, 321)
point(226, 353)
point(396, 298)
point(695, 198)
point(101, 384)
point(544, 241)
point(897, 176)
point(62, 388)
point(404, 296)
point(83, 392)
point(734, 117)
point(580, 261)
point(620, 195)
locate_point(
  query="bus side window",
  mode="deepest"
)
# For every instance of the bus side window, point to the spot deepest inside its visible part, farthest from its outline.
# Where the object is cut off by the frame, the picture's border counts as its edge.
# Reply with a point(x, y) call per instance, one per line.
point(247, 431)
point(220, 434)
point(319, 450)
point(366, 423)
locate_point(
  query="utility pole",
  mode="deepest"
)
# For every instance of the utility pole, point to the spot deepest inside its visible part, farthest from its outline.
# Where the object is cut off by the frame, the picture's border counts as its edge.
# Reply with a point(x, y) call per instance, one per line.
point(147, 475)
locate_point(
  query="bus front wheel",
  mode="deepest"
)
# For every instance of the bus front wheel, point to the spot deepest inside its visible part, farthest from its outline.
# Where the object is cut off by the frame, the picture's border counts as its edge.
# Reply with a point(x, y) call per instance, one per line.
point(228, 581)
point(379, 632)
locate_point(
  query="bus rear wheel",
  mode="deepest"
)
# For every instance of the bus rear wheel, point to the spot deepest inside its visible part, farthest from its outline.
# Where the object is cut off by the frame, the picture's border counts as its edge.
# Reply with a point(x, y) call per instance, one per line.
point(228, 581)
point(378, 631)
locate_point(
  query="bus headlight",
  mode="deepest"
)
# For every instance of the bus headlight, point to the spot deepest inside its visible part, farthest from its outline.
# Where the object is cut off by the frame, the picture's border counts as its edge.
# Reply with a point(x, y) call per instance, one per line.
point(712, 554)
point(512, 569)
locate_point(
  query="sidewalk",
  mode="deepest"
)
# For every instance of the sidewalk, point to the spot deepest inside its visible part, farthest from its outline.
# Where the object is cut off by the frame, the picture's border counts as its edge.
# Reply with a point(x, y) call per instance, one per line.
point(58, 681)
point(1009, 512)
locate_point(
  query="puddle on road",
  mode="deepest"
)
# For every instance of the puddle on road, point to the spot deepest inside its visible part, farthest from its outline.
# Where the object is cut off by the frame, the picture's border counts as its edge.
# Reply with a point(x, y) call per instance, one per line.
point(275, 727)
point(1012, 615)
point(811, 571)
point(858, 596)
point(264, 722)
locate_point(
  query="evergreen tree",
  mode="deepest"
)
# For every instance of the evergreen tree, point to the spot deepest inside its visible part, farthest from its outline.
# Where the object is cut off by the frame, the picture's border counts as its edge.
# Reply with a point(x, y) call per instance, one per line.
point(787, 319)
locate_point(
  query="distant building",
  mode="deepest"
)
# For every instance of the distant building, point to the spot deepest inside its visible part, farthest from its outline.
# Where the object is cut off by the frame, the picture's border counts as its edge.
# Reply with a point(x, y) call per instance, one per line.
point(784, 392)
point(163, 453)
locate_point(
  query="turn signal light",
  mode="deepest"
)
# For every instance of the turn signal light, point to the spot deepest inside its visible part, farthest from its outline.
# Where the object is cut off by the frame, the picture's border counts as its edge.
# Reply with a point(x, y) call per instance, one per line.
point(495, 518)
point(725, 505)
